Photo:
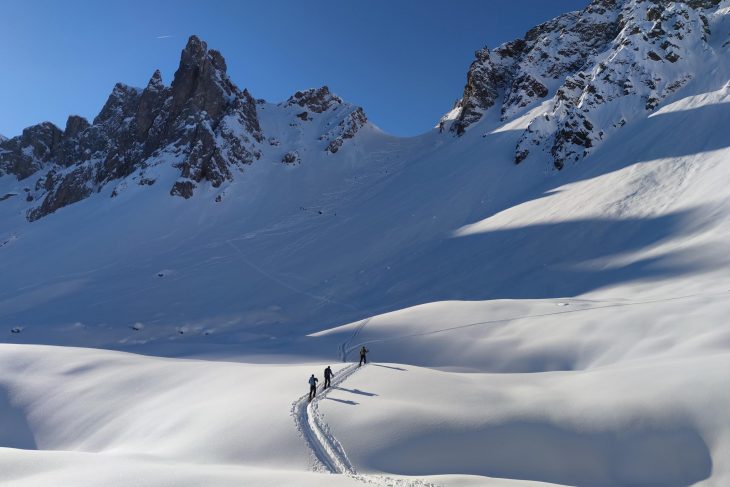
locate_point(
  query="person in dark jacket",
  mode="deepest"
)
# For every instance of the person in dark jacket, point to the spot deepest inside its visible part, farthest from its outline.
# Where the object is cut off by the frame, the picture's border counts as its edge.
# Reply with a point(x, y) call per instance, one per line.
point(328, 374)
point(363, 355)
point(312, 387)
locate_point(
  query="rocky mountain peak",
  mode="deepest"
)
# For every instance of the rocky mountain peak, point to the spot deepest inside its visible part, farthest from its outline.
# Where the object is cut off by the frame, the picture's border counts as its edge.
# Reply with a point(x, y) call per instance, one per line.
point(203, 121)
point(201, 82)
point(584, 62)
point(121, 101)
point(155, 83)
point(337, 120)
point(193, 55)
point(29, 152)
point(203, 125)
point(75, 124)
point(316, 100)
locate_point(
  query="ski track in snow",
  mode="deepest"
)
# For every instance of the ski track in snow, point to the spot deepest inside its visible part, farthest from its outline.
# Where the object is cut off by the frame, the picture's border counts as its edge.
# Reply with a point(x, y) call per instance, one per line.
point(284, 283)
point(345, 347)
point(329, 455)
point(327, 450)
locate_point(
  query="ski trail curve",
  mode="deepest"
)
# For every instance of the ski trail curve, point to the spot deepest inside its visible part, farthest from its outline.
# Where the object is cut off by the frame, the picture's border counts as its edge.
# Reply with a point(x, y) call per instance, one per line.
point(345, 347)
point(328, 452)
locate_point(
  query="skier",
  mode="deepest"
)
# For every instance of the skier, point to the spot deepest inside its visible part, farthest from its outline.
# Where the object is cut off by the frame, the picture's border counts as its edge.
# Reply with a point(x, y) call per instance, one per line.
point(363, 356)
point(441, 126)
point(312, 387)
point(328, 374)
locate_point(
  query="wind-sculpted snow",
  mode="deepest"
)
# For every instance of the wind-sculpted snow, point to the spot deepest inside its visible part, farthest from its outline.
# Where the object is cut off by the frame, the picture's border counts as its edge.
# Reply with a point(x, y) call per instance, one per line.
point(152, 421)
point(570, 392)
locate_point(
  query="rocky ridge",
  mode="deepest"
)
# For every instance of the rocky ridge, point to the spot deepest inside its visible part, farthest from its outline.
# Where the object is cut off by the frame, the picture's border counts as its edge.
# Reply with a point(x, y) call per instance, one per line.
point(577, 79)
point(588, 66)
point(318, 102)
point(202, 124)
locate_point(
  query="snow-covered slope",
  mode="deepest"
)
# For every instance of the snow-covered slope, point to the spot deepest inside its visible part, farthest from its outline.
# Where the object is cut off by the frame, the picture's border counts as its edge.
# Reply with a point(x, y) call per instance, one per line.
point(565, 327)
point(389, 224)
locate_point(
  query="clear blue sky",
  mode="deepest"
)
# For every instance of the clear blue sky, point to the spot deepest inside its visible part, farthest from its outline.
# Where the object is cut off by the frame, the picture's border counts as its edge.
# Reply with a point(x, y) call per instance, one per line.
point(404, 61)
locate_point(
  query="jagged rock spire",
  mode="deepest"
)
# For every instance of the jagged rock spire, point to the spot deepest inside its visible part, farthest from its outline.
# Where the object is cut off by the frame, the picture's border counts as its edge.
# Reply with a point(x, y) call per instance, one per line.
point(201, 80)
point(75, 125)
point(155, 82)
point(150, 104)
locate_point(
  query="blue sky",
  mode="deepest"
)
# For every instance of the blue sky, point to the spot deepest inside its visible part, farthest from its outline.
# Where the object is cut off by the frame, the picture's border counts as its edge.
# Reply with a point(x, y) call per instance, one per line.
point(404, 61)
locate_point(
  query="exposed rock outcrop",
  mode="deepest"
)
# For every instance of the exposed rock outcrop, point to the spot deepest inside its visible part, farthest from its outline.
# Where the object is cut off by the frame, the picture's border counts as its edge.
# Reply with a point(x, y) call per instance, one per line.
point(30, 152)
point(647, 60)
point(314, 100)
point(320, 104)
point(583, 62)
point(203, 121)
point(346, 129)
point(525, 71)
point(291, 157)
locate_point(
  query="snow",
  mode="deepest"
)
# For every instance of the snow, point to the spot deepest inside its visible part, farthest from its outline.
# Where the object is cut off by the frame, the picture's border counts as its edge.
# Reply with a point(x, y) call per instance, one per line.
point(165, 419)
point(527, 326)
point(598, 428)
point(697, 101)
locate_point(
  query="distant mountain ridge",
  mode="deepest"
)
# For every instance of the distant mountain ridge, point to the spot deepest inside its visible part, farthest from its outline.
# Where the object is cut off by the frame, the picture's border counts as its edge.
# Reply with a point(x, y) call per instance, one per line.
point(202, 124)
point(585, 75)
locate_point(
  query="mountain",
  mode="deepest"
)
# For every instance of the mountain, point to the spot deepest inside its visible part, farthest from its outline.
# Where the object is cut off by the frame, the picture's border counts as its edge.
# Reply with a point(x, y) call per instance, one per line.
point(316, 216)
point(581, 77)
point(551, 322)
point(593, 71)
point(203, 125)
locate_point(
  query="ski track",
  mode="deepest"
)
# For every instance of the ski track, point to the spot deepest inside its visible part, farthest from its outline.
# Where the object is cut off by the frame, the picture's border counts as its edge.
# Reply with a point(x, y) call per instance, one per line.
point(329, 455)
point(345, 347)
